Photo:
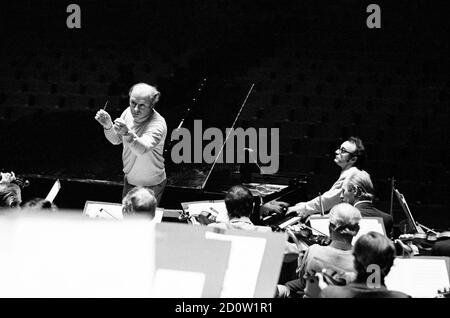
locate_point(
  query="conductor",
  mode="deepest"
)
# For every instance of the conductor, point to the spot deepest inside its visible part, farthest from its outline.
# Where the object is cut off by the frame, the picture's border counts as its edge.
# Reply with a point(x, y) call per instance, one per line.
point(142, 131)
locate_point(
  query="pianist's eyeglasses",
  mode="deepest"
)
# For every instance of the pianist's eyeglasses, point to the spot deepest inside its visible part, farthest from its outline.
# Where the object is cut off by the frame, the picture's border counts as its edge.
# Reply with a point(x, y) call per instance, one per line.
point(343, 150)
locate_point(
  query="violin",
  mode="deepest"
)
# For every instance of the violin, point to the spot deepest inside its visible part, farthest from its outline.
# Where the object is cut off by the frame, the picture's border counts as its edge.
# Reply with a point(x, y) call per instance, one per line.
point(329, 275)
point(428, 237)
point(305, 234)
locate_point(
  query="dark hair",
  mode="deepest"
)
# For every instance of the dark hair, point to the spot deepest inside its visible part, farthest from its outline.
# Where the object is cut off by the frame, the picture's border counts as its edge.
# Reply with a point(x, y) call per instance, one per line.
point(239, 202)
point(373, 248)
point(360, 152)
point(40, 204)
point(10, 195)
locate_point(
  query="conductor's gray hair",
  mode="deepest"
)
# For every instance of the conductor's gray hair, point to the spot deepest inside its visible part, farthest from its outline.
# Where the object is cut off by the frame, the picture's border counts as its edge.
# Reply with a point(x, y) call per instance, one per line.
point(152, 93)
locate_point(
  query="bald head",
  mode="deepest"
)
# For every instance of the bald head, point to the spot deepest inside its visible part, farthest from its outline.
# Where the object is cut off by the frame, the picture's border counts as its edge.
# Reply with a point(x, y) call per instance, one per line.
point(143, 98)
point(344, 219)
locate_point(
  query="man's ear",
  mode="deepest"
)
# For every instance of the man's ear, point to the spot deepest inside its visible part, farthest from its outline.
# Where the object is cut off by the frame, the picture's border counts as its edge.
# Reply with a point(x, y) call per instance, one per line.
point(155, 98)
point(357, 191)
point(353, 160)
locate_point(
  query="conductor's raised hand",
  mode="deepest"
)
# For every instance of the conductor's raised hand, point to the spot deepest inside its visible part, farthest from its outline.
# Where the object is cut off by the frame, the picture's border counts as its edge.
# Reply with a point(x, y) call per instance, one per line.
point(104, 119)
point(120, 127)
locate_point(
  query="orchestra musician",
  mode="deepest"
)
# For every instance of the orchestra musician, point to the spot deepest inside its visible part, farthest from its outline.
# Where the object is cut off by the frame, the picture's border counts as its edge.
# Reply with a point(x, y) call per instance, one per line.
point(142, 131)
point(441, 248)
point(370, 249)
point(40, 204)
point(139, 200)
point(357, 190)
point(343, 226)
point(239, 203)
point(350, 157)
point(10, 195)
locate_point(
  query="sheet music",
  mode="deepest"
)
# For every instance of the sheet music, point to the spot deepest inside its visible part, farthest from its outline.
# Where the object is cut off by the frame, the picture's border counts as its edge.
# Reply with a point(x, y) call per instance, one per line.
point(159, 213)
point(170, 283)
point(418, 277)
point(53, 191)
point(243, 266)
point(195, 208)
point(366, 225)
point(103, 210)
point(68, 255)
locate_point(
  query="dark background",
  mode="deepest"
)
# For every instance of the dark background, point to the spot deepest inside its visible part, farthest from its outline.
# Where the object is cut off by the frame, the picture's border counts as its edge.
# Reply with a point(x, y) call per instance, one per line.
point(320, 76)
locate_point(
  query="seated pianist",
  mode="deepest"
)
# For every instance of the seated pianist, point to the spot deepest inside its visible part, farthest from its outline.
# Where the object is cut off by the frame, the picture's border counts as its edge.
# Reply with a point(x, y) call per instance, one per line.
point(350, 157)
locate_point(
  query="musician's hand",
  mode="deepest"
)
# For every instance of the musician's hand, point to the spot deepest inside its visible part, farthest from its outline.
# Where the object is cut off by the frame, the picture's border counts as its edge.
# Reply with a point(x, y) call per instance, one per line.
point(292, 236)
point(277, 207)
point(120, 127)
point(299, 209)
point(104, 119)
point(6, 177)
point(443, 293)
point(292, 209)
point(314, 285)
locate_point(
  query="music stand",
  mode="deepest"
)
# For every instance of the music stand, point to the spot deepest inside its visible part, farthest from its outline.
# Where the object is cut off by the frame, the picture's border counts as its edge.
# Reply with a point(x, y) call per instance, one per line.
point(367, 224)
point(408, 213)
point(419, 276)
point(103, 210)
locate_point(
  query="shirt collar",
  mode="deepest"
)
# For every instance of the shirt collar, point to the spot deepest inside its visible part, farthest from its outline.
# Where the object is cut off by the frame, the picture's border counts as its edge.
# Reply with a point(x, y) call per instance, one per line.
point(341, 245)
point(363, 201)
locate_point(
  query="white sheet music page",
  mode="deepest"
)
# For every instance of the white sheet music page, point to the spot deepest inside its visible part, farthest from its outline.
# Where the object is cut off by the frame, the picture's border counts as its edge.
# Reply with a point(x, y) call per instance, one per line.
point(101, 210)
point(53, 191)
point(368, 225)
point(418, 277)
point(159, 212)
point(53, 256)
point(243, 265)
point(218, 208)
point(170, 283)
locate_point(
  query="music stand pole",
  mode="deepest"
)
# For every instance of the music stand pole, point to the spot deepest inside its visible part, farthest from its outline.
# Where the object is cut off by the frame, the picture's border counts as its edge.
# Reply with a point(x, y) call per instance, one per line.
point(391, 210)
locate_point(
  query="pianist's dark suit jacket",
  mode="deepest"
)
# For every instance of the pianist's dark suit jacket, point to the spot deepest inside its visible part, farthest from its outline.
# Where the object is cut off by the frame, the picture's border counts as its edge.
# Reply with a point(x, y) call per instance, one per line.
point(368, 210)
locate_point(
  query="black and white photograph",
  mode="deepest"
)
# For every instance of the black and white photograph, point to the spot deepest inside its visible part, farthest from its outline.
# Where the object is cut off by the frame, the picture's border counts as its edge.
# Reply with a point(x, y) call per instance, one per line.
point(224, 155)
